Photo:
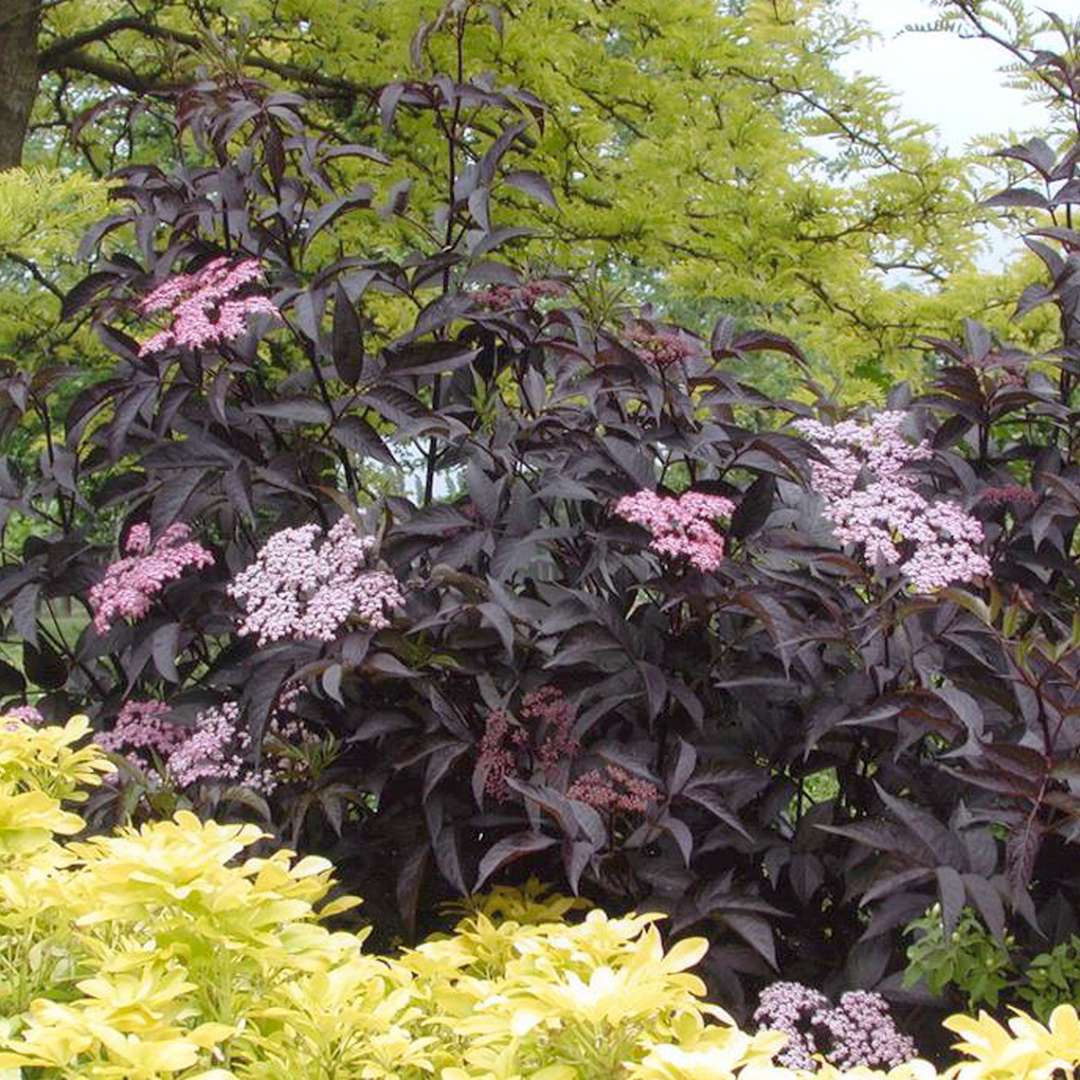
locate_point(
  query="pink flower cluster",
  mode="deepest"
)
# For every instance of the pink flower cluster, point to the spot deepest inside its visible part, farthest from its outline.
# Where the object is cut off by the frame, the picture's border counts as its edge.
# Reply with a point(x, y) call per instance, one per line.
point(871, 499)
point(307, 584)
point(215, 750)
point(661, 347)
point(552, 718)
point(545, 739)
point(207, 306)
point(497, 761)
point(857, 1032)
point(862, 1033)
point(540, 743)
point(131, 583)
point(614, 791)
point(24, 714)
point(142, 730)
point(501, 297)
point(787, 1007)
point(1013, 494)
point(680, 527)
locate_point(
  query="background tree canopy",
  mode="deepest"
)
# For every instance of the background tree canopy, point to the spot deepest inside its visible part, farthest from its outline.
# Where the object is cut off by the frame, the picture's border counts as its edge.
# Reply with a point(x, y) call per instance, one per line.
point(707, 156)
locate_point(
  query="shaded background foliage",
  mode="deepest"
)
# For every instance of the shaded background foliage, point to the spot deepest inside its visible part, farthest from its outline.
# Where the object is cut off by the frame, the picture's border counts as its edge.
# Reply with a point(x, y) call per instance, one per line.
point(831, 753)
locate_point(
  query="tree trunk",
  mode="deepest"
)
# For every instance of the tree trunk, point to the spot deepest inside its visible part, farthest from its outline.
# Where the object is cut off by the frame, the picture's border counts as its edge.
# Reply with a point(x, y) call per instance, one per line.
point(19, 21)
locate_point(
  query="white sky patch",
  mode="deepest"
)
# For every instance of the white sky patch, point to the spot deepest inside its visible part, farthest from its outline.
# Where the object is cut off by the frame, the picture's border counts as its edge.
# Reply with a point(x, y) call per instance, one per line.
point(952, 83)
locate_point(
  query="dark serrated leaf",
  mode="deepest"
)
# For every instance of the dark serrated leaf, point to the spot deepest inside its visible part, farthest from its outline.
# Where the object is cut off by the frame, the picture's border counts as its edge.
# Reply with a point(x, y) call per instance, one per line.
point(754, 507)
point(43, 667)
point(355, 433)
point(533, 184)
point(508, 850)
point(347, 339)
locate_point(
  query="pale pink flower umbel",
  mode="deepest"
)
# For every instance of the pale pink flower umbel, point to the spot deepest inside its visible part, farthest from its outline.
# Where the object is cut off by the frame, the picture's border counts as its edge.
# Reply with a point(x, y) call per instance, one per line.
point(207, 306)
point(305, 583)
point(142, 731)
point(24, 714)
point(550, 713)
point(681, 527)
point(215, 750)
point(614, 791)
point(871, 498)
point(130, 584)
point(859, 1032)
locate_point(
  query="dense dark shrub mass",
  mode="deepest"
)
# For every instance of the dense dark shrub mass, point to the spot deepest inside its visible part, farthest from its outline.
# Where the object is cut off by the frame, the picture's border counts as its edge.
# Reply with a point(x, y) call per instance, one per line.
point(443, 573)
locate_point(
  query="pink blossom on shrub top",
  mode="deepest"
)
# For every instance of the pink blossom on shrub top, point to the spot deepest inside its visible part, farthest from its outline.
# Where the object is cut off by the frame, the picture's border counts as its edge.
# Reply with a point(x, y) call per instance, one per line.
point(205, 306)
point(130, 584)
point(871, 499)
point(661, 347)
point(682, 526)
point(859, 1031)
point(614, 790)
point(307, 584)
point(500, 297)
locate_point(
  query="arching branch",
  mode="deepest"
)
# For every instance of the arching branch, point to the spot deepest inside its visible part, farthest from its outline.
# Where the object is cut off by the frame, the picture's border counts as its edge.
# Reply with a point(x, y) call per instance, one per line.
point(70, 53)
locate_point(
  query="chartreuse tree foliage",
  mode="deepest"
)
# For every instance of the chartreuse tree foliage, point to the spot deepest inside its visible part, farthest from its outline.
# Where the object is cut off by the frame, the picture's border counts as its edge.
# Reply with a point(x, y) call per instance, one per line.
point(43, 214)
point(183, 951)
point(698, 150)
